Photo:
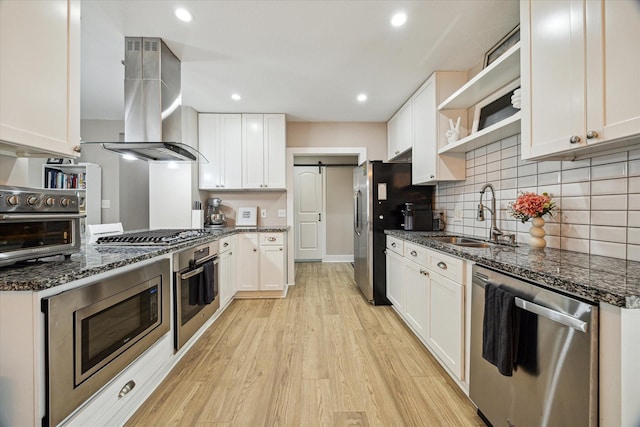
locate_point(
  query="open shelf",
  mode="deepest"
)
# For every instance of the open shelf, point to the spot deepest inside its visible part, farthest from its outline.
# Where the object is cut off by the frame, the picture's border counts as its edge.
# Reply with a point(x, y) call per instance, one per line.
point(502, 71)
point(503, 129)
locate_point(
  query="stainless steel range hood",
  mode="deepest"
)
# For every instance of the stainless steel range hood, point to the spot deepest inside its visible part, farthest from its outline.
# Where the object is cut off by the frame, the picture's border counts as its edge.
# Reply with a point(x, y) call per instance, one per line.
point(152, 104)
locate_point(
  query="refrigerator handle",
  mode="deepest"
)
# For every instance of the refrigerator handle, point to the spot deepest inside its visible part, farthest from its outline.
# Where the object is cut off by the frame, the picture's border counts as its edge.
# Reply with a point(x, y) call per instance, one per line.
point(356, 212)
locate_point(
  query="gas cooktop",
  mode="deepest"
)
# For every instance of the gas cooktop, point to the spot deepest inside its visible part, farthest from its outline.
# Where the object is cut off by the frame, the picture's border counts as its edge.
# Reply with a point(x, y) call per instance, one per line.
point(163, 237)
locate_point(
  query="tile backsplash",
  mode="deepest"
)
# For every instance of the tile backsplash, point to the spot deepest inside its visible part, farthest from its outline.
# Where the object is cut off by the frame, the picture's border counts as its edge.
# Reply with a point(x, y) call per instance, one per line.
point(598, 199)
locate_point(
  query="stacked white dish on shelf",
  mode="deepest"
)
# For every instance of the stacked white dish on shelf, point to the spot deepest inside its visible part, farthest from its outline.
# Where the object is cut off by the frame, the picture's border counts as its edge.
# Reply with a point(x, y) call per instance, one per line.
point(515, 98)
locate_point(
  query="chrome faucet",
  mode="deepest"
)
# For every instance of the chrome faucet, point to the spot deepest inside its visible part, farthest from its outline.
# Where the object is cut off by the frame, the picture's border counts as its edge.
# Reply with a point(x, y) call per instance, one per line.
point(495, 231)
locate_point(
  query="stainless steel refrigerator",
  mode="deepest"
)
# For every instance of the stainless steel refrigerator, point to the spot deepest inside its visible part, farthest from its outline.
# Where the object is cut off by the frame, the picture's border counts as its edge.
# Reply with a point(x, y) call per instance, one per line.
point(380, 192)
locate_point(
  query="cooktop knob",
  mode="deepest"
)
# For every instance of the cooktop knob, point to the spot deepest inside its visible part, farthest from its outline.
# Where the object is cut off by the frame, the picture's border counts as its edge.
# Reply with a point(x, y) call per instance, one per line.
point(49, 201)
point(64, 202)
point(32, 200)
point(13, 200)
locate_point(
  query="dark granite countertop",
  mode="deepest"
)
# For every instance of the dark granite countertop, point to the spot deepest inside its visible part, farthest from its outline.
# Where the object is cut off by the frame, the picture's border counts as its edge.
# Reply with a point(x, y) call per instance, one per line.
point(95, 259)
point(591, 277)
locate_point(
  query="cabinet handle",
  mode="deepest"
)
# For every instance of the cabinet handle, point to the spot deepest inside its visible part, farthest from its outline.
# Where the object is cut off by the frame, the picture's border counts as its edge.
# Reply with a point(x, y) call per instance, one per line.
point(592, 134)
point(442, 265)
point(77, 148)
point(126, 389)
point(393, 245)
point(255, 250)
point(225, 244)
point(397, 152)
point(414, 253)
point(574, 139)
point(230, 253)
point(433, 176)
point(280, 248)
point(424, 272)
point(271, 239)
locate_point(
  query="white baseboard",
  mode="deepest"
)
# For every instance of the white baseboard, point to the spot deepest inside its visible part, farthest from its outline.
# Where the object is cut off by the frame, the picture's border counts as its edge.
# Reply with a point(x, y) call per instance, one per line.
point(337, 258)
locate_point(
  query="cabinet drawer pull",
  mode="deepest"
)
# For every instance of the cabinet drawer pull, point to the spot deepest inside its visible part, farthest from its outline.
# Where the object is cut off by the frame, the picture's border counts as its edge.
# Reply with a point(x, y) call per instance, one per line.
point(393, 245)
point(574, 139)
point(424, 272)
point(592, 134)
point(414, 253)
point(225, 244)
point(442, 265)
point(280, 248)
point(255, 250)
point(271, 239)
point(126, 389)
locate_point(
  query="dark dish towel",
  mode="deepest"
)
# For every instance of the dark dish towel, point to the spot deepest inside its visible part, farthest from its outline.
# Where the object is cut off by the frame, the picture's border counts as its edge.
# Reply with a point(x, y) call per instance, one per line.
point(209, 283)
point(499, 328)
point(527, 354)
point(194, 285)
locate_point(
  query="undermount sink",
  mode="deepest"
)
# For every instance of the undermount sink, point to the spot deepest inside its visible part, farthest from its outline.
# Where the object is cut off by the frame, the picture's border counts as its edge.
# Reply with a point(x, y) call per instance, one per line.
point(462, 241)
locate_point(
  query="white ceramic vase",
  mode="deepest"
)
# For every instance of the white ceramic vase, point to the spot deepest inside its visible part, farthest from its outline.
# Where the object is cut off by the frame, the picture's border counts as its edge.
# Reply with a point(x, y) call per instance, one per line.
point(537, 233)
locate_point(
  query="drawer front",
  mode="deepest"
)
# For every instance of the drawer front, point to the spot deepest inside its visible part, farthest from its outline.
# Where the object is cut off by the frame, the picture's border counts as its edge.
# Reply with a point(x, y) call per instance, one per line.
point(446, 265)
point(396, 245)
point(224, 244)
point(269, 239)
point(416, 253)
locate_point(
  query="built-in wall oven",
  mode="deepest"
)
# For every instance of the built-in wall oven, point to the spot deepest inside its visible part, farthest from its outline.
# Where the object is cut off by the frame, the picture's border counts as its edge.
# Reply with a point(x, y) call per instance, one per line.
point(196, 290)
point(95, 331)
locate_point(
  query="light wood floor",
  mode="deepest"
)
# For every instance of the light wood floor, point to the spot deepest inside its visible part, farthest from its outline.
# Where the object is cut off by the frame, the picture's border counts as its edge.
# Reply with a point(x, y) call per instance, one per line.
point(321, 357)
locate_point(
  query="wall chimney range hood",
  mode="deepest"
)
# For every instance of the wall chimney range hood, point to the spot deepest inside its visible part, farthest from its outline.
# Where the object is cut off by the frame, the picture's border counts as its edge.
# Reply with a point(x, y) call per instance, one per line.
point(152, 104)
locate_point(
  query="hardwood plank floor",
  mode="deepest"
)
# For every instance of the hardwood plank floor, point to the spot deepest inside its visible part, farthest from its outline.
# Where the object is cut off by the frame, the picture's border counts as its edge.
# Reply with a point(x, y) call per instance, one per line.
point(322, 356)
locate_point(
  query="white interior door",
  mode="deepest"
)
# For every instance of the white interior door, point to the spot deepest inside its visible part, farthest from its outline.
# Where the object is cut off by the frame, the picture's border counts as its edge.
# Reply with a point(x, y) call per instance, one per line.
point(308, 221)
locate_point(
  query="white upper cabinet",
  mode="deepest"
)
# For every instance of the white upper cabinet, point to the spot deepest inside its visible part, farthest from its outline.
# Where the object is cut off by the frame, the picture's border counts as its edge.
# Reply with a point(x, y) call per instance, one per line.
point(40, 78)
point(429, 127)
point(220, 141)
point(400, 131)
point(263, 151)
point(580, 68)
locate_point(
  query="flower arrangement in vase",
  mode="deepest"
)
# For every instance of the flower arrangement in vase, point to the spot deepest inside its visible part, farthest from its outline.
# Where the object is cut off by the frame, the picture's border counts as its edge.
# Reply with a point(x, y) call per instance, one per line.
point(533, 206)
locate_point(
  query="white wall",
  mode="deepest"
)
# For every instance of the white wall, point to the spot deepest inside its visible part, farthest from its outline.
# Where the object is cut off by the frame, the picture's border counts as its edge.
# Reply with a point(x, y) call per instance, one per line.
point(14, 171)
point(339, 211)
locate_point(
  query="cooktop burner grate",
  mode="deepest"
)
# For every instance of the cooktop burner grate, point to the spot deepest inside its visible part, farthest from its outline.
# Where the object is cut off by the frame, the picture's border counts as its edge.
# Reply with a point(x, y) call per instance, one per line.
point(162, 237)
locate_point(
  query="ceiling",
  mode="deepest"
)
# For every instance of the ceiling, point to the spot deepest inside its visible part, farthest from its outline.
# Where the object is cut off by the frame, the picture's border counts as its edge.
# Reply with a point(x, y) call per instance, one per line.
point(308, 59)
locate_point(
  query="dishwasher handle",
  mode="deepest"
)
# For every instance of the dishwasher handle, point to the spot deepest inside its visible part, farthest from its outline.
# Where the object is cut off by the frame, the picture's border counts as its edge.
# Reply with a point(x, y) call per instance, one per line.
point(552, 315)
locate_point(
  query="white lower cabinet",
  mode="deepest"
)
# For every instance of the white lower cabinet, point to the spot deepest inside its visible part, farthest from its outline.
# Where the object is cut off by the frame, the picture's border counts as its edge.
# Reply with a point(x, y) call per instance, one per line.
point(262, 262)
point(227, 270)
point(426, 288)
point(445, 334)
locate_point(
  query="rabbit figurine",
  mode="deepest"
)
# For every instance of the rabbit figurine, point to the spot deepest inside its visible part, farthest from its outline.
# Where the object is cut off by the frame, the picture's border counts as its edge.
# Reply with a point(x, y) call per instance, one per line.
point(453, 134)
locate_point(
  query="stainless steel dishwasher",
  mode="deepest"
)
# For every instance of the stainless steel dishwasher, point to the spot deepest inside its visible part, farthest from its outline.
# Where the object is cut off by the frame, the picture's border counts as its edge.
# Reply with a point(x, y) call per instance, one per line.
point(556, 382)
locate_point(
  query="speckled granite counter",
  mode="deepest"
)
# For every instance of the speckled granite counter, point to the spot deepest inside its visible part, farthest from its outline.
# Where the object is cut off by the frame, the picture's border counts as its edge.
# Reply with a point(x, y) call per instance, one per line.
point(591, 277)
point(94, 259)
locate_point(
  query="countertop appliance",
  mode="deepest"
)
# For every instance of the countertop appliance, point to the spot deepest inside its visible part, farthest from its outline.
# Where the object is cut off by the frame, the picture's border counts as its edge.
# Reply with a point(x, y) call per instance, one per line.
point(37, 223)
point(381, 191)
point(215, 218)
point(195, 284)
point(95, 331)
point(161, 237)
point(554, 380)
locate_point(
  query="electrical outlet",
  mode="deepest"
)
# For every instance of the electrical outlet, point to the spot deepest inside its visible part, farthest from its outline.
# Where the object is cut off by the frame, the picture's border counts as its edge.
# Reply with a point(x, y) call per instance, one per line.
point(263, 213)
point(282, 213)
point(106, 204)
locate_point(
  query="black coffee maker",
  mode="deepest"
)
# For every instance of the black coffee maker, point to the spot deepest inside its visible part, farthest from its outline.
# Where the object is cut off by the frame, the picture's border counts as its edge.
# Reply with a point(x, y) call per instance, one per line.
point(417, 217)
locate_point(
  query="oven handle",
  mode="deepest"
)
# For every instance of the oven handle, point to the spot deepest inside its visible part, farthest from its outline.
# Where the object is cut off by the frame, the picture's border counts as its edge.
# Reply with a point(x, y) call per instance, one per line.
point(191, 273)
point(42, 216)
point(207, 258)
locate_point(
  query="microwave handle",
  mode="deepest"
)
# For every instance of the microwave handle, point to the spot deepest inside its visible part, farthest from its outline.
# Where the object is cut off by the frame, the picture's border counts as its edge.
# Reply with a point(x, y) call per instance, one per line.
point(41, 216)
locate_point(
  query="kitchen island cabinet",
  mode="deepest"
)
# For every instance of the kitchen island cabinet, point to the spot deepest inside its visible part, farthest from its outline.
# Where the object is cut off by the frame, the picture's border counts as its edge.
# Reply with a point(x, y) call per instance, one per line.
point(580, 67)
point(40, 78)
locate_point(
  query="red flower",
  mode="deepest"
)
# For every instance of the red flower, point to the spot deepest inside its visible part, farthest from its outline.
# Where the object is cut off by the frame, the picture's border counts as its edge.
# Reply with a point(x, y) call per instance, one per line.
point(531, 205)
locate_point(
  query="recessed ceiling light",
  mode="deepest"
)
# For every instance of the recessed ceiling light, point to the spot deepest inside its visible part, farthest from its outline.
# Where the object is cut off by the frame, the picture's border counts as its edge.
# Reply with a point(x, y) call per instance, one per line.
point(399, 19)
point(183, 14)
point(362, 97)
point(236, 97)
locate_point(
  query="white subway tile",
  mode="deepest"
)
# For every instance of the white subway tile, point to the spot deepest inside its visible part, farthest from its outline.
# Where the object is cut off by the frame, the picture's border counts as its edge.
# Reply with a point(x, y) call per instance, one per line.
point(509, 183)
point(610, 171)
point(609, 234)
point(553, 242)
point(614, 218)
point(480, 160)
point(552, 166)
point(528, 182)
point(493, 176)
point(493, 147)
point(510, 162)
point(576, 203)
point(634, 202)
point(575, 175)
point(575, 189)
point(576, 231)
point(634, 168)
point(576, 245)
point(549, 178)
point(614, 203)
point(609, 158)
point(553, 191)
point(552, 228)
point(575, 164)
point(633, 235)
point(633, 252)
point(509, 173)
point(609, 186)
point(575, 217)
point(526, 170)
point(509, 152)
point(510, 142)
point(493, 156)
point(634, 219)
point(614, 250)
point(480, 169)
point(634, 153)
point(469, 155)
point(478, 152)
point(634, 185)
